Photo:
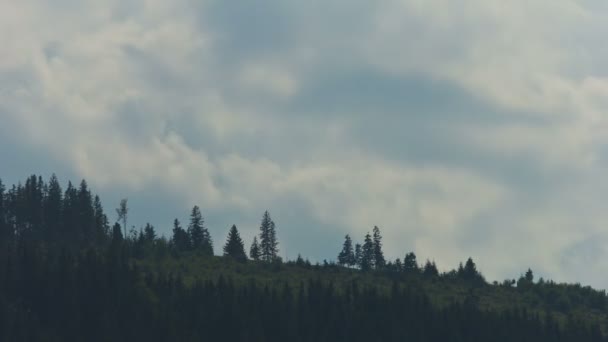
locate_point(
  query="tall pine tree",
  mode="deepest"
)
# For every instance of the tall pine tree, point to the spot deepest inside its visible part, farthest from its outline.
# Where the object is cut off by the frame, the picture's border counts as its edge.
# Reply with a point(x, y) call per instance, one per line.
point(347, 255)
point(181, 239)
point(379, 261)
point(234, 247)
point(254, 251)
point(268, 239)
point(367, 253)
point(53, 203)
point(410, 265)
point(199, 235)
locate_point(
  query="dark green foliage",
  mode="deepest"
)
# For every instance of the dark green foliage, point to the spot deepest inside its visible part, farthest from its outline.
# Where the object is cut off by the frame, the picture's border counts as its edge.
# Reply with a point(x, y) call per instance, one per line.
point(358, 255)
point(347, 255)
point(200, 238)
point(430, 269)
point(254, 251)
point(117, 233)
point(64, 276)
point(268, 239)
point(379, 261)
point(149, 233)
point(234, 247)
point(410, 265)
point(367, 253)
point(123, 212)
point(181, 239)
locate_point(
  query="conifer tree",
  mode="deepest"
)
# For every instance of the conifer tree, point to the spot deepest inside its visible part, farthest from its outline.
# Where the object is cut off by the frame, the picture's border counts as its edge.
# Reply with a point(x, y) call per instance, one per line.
point(117, 233)
point(122, 212)
point(268, 239)
point(199, 235)
point(410, 265)
point(53, 203)
point(358, 255)
point(254, 251)
point(234, 247)
point(86, 214)
point(379, 261)
point(367, 253)
point(347, 255)
point(149, 233)
point(101, 220)
point(4, 231)
point(430, 269)
point(181, 239)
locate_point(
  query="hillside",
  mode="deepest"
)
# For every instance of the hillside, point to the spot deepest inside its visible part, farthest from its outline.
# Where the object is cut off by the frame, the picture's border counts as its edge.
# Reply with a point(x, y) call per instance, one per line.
point(66, 274)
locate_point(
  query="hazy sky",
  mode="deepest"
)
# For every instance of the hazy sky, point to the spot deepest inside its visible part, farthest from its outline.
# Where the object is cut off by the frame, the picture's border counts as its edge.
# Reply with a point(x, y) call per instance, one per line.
point(461, 128)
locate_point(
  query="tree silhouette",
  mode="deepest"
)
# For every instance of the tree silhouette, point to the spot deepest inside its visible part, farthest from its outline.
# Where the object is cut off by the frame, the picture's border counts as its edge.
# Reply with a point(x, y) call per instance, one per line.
point(347, 255)
point(122, 212)
point(181, 239)
point(199, 235)
point(367, 253)
point(234, 247)
point(410, 265)
point(268, 239)
point(379, 260)
point(254, 251)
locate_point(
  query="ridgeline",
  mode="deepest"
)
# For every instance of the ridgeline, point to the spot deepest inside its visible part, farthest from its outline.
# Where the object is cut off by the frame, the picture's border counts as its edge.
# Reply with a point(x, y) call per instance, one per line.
point(67, 274)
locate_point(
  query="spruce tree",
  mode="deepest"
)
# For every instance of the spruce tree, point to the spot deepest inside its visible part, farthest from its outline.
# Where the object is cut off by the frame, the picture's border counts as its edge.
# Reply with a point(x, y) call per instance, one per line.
point(358, 255)
point(149, 233)
point(430, 269)
point(181, 239)
point(101, 220)
point(117, 233)
point(410, 265)
point(86, 214)
point(234, 247)
point(379, 261)
point(53, 203)
point(347, 255)
point(254, 251)
point(122, 212)
point(367, 253)
point(199, 235)
point(268, 239)
point(4, 233)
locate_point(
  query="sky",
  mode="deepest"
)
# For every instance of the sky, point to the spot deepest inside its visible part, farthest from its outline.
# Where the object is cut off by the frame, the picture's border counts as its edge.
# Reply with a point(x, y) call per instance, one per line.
point(471, 128)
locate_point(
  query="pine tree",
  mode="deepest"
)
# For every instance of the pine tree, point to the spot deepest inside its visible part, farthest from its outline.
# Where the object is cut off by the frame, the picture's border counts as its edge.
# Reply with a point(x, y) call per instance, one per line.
point(101, 220)
point(254, 251)
point(234, 247)
point(430, 269)
point(347, 255)
point(122, 212)
point(117, 233)
point(53, 203)
point(4, 231)
point(86, 214)
point(181, 239)
point(358, 255)
point(199, 235)
point(268, 239)
point(367, 253)
point(379, 261)
point(149, 233)
point(410, 265)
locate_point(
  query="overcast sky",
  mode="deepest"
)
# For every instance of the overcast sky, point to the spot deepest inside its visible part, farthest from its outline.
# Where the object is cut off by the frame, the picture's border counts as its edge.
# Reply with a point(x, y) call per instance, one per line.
point(461, 128)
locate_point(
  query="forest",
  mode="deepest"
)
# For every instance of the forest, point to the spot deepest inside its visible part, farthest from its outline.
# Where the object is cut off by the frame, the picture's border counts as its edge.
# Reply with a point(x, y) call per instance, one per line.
point(71, 270)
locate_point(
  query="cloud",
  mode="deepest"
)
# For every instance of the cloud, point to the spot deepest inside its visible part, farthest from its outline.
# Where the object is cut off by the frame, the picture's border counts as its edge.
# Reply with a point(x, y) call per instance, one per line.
point(461, 129)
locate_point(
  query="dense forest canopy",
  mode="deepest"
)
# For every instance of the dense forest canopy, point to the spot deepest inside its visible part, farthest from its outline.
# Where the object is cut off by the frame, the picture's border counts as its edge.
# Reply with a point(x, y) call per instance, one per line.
point(70, 272)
